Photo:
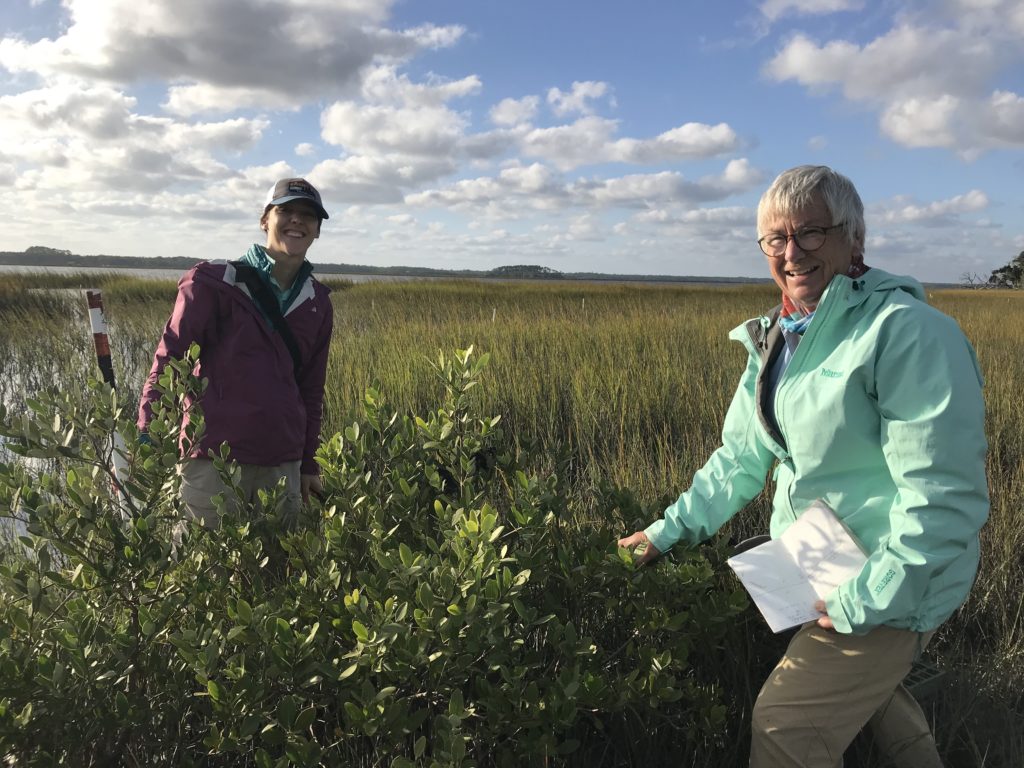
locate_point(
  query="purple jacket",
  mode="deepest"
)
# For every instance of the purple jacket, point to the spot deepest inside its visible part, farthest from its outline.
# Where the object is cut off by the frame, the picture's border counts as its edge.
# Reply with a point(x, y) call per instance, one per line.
point(253, 401)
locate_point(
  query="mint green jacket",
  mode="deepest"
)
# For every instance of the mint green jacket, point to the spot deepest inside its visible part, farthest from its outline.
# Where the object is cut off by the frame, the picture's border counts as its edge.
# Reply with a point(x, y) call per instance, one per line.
point(880, 414)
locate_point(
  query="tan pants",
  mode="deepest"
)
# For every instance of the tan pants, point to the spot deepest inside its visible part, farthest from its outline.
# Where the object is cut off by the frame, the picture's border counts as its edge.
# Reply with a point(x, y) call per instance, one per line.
point(200, 482)
point(827, 687)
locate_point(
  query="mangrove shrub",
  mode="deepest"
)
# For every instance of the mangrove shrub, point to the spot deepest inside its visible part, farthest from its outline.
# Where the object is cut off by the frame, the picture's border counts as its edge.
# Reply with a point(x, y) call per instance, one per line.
point(439, 606)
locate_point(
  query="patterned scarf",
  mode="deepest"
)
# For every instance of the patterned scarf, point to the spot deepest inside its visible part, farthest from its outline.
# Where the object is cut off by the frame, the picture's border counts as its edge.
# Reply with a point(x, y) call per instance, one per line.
point(795, 320)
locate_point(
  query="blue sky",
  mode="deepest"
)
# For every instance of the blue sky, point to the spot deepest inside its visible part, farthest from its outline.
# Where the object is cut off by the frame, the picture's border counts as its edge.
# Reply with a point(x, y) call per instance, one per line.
point(584, 136)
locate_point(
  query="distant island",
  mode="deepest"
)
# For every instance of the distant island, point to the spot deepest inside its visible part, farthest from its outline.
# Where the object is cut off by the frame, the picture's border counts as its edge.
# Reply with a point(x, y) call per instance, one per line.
point(42, 256)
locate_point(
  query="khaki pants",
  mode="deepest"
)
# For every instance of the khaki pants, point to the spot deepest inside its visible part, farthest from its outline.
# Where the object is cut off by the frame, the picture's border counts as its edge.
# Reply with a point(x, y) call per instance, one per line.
point(200, 483)
point(827, 687)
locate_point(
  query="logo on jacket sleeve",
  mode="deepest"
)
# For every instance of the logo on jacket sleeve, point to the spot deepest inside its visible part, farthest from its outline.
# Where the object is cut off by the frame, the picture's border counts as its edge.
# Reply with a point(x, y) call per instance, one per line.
point(886, 579)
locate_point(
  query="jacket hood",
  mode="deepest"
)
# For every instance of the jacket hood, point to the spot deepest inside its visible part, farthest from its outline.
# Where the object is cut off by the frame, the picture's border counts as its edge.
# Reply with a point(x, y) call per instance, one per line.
point(852, 292)
point(856, 290)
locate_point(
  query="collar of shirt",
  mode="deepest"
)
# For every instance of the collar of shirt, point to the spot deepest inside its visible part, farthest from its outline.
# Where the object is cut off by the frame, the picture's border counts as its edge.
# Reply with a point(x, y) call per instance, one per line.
point(257, 257)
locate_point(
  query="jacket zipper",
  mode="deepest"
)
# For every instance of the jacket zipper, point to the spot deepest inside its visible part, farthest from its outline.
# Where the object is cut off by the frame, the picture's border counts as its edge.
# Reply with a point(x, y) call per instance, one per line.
point(810, 335)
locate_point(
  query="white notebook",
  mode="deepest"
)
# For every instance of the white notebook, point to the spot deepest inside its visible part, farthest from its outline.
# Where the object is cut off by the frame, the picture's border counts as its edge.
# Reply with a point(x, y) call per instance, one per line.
point(787, 575)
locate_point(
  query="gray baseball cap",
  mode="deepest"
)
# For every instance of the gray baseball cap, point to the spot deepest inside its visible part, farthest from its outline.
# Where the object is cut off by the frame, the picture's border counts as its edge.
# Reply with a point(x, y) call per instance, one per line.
point(287, 190)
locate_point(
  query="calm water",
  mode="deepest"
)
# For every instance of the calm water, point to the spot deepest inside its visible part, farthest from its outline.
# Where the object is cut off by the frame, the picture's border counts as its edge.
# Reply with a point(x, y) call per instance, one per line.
point(175, 274)
point(171, 274)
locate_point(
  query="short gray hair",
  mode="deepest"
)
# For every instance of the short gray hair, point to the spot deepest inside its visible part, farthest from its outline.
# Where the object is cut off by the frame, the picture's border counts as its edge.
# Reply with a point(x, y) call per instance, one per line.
point(798, 188)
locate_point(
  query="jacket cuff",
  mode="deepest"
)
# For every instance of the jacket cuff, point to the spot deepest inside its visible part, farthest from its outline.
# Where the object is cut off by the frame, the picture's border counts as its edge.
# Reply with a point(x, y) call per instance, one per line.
point(655, 534)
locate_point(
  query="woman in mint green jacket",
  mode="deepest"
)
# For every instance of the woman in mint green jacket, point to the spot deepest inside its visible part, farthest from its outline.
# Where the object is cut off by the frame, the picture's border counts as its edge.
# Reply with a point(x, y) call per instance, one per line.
point(858, 393)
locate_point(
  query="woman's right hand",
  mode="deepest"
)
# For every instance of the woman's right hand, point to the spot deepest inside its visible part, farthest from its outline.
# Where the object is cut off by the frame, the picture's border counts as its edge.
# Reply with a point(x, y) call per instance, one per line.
point(639, 538)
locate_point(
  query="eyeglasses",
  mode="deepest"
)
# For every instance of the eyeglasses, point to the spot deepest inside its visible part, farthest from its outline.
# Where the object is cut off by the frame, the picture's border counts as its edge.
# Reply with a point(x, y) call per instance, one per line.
point(807, 239)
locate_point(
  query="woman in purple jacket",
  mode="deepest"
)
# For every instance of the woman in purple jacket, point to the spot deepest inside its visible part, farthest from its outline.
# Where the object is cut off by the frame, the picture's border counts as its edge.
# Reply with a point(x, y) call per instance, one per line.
point(265, 392)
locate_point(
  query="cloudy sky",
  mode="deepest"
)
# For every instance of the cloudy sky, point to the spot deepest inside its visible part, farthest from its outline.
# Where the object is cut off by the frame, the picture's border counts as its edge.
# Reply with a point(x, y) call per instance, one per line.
point(583, 135)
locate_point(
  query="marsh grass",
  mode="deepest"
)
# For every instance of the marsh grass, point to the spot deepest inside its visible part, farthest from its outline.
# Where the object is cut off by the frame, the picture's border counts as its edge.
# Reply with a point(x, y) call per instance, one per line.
point(613, 385)
point(613, 373)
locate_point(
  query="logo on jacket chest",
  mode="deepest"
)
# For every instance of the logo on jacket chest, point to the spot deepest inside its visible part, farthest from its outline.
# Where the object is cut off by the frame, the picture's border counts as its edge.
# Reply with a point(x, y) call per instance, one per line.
point(828, 373)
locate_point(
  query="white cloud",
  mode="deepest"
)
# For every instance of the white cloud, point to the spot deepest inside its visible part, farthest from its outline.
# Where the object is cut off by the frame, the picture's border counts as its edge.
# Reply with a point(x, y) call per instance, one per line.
point(399, 116)
point(431, 36)
point(1004, 118)
point(204, 98)
point(646, 190)
point(578, 100)
point(516, 188)
point(931, 83)
point(99, 112)
point(773, 9)
point(988, 16)
point(381, 129)
point(536, 187)
point(237, 134)
point(938, 212)
point(225, 54)
point(905, 62)
point(489, 144)
point(739, 176)
point(921, 122)
point(383, 85)
point(585, 227)
point(638, 190)
point(466, 191)
point(691, 140)
point(973, 6)
point(510, 112)
point(713, 219)
point(378, 179)
point(305, 149)
point(569, 146)
point(589, 141)
point(531, 180)
point(89, 138)
point(103, 115)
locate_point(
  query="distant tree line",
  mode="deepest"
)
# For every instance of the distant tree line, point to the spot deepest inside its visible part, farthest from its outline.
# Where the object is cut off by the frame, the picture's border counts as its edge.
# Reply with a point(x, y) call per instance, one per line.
point(525, 271)
point(43, 256)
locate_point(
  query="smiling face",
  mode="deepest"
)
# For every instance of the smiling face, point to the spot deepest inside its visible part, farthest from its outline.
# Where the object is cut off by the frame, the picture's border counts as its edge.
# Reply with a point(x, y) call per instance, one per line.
point(291, 228)
point(801, 275)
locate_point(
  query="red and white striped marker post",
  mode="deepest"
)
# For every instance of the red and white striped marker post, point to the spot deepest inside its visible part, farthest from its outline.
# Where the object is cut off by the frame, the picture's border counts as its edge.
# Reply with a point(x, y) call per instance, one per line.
point(98, 323)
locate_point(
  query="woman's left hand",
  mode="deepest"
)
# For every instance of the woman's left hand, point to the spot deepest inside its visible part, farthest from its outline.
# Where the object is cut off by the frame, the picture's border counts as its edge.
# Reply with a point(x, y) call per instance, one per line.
point(824, 621)
point(639, 539)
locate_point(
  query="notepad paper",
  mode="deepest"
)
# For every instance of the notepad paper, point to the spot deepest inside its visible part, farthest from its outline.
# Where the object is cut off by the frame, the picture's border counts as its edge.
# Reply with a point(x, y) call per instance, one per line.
point(787, 575)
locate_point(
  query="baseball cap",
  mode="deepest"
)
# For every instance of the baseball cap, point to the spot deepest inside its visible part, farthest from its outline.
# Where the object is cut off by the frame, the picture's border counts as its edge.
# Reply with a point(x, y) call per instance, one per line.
point(287, 190)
